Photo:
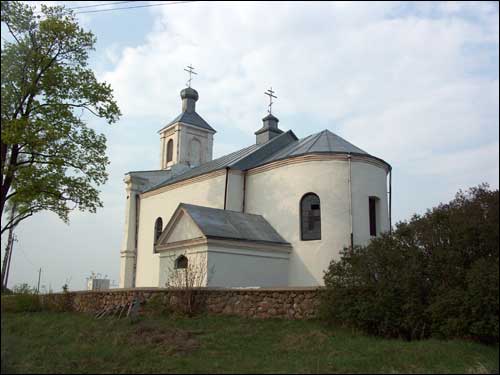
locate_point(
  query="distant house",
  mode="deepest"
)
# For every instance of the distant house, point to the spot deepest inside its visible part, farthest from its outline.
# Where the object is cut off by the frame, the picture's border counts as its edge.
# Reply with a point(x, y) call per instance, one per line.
point(97, 284)
point(272, 214)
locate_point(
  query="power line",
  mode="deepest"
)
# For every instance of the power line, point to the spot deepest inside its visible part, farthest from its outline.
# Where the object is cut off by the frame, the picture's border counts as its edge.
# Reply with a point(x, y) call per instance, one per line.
point(102, 4)
point(119, 8)
point(26, 258)
point(133, 7)
point(95, 5)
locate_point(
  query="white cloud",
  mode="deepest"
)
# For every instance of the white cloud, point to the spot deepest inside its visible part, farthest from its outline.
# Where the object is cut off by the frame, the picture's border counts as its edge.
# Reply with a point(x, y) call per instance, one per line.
point(412, 83)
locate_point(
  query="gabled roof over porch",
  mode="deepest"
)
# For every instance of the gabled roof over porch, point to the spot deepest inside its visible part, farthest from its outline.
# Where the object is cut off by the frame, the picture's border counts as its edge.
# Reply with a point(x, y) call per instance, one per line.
point(192, 224)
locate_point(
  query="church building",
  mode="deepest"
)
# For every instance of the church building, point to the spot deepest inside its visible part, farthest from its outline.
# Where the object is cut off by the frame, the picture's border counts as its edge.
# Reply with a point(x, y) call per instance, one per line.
point(273, 214)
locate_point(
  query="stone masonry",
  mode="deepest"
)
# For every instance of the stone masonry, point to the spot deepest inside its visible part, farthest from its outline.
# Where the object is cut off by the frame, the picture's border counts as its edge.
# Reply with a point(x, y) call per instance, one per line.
point(296, 303)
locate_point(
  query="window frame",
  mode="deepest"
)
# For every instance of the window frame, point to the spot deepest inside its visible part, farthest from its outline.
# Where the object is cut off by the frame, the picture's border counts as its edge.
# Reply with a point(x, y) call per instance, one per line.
point(301, 219)
point(170, 150)
point(372, 215)
point(178, 259)
point(156, 233)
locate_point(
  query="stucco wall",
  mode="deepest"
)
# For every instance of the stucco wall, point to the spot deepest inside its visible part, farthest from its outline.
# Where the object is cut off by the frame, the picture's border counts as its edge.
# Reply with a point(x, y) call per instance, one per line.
point(225, 267)
point(209, 193)
point(187, 134)
point(276, 194)
point(367, 181)
point(184, 229)
point(246, 268)
point(234, 199)
point(197, 268)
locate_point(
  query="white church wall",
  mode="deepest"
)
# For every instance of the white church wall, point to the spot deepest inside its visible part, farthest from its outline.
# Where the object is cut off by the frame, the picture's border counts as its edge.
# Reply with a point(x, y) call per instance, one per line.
point(215, 266)
point(188, 135)
point(234, 199)
point(168, 275)
point(368, 180)
point(276, 194)
point(185, 229)
point(209, 193)
point(230, 267)
point(165, 136)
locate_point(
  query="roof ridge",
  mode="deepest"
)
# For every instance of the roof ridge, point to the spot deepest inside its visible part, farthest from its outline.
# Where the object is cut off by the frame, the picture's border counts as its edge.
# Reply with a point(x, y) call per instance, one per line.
point(298, 142)
point(222, 209)
point(318, 136)
point(180, 119)
point(328, 138)
point(270, 147)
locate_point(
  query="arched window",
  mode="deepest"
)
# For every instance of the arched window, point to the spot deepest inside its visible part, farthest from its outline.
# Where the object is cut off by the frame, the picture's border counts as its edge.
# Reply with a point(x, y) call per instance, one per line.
point(158, 229)
point(181, 262)
point(310, 217)
point(170, 150)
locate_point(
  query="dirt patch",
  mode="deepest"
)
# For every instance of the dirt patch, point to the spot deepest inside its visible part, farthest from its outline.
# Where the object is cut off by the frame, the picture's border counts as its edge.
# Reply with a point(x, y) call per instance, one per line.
point(307, 341)
point(171, 340)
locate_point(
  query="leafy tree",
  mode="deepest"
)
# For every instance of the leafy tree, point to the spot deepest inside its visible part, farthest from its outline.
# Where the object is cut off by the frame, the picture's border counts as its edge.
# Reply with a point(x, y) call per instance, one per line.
point(50, 159)
point(436, 274)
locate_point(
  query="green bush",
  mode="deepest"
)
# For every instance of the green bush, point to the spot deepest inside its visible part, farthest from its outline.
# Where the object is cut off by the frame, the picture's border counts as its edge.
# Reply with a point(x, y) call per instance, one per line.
point(23, 299)
point(21, 303)
point(481, 303)
point(157, 305)
point(434, 275)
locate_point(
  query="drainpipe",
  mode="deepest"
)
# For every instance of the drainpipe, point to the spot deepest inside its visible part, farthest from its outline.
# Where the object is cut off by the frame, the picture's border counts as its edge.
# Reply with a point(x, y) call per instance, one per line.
point(350, 200)
point(225, 189)
point(244, 191)
point(390, 200)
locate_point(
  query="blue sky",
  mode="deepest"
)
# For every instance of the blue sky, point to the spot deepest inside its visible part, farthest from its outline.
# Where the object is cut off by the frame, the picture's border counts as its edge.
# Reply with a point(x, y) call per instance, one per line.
point(413, 83)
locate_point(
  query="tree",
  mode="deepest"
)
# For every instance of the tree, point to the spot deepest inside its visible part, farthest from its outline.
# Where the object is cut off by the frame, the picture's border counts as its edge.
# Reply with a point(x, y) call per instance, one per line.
point(185, 278)
point(436, 274)
point(50, 159)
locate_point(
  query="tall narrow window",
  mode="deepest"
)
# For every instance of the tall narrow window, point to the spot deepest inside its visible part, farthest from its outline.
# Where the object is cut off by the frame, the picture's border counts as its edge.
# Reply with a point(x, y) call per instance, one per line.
point(310, 217)
point(170, 150)
point(181, 262)
point(372, 206)
point(158, 229)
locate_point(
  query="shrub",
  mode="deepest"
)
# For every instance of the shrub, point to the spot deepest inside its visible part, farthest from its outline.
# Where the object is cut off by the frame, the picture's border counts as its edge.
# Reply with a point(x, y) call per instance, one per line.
point(21, 303)
point(480, 309)
point(157, 305)
point(23, 299)
point(434, 275)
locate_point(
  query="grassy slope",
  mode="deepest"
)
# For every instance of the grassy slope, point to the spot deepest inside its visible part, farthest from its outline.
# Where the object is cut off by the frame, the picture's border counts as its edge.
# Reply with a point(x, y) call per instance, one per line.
point(63, 343)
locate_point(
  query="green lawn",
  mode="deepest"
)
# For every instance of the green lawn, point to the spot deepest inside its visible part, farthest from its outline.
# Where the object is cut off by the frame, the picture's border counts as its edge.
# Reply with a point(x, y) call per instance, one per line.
point(73, 343)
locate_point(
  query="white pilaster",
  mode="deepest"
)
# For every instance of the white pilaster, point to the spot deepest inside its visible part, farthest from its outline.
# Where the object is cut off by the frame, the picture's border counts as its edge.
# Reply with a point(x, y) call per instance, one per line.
point(128, 253)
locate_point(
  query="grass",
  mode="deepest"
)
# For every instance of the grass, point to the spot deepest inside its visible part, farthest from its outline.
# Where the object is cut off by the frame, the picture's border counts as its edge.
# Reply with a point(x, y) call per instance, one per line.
point(72, 343)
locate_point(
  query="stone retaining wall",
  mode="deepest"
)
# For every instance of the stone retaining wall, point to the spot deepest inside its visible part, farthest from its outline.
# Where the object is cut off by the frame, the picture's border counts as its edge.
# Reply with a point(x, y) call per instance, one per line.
point(296, 303)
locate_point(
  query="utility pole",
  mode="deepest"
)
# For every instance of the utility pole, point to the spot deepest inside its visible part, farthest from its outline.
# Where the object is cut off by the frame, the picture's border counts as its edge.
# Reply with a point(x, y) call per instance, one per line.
point(8, 252)
point(39, 275)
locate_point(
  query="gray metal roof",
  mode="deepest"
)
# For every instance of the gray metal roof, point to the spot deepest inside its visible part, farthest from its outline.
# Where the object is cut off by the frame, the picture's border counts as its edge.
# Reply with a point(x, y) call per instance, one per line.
point(241, 159)
point(283, 146)
point(216, 223)
point(322, 142)
point(191, 118)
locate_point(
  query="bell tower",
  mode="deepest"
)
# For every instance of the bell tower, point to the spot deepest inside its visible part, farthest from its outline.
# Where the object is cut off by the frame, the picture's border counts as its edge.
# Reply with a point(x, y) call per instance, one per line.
point(186, 141)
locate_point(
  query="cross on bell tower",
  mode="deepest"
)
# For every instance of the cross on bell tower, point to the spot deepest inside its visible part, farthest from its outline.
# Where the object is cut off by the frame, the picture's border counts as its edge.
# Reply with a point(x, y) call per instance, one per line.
point(191, 71)
point(270, 122)
point(271, 95)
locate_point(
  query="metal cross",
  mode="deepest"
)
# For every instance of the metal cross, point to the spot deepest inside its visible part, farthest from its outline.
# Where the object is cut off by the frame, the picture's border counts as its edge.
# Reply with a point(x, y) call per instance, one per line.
point(190, 70)
point(270, 93)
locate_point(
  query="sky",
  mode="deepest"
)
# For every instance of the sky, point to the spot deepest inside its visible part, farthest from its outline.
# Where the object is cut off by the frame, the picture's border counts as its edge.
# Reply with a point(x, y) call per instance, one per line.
point(415, 84)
